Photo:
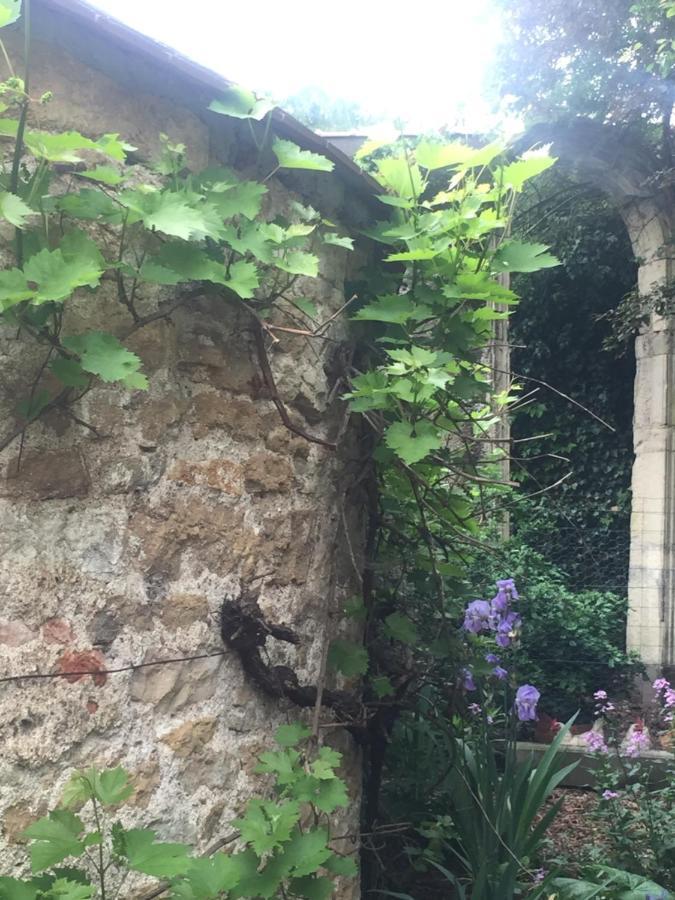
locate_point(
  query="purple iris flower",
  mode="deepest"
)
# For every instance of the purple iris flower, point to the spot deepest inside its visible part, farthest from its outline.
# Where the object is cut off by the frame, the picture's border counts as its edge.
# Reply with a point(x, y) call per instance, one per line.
point(500, 673)
point(508, 585)
point(527, 697)
point(477, 616)
point(492, 658)
point(469, 683)
point(506, 630)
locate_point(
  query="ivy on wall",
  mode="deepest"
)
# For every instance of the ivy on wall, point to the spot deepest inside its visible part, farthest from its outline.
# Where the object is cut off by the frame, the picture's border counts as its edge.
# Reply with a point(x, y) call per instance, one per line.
point(558, 332)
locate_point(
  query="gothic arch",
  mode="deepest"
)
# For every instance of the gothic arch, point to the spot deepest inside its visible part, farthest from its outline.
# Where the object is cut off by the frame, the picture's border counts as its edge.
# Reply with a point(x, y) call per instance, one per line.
point(620, 164)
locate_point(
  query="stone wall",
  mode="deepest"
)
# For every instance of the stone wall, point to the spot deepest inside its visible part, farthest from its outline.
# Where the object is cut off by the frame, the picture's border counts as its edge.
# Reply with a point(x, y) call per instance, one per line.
point(119, 545)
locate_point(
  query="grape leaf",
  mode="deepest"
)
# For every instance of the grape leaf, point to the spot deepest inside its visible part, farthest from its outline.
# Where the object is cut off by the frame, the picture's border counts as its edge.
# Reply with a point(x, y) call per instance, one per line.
point(290, 156)
point(267, 825)
point(64, 889)
point(432, 155)
point(104, 174)
point(10, 10)
point(392, 308)
point(243, 279)
point(347, 657)
point(337, 241)
point(13, 288)
point(400, 628)
point(57, 273)
point(13, 889)
point(188, 261)
point(516, 256)
point(291, 735)
point(342, 865)
point(103, 355)
point(403, 178)
point(382, 686)
point(297, 262)
point(243, 199)
point(176, 213)
point(91, 203)
point(327, 761)
point(530, 164)
point(411, 443)
point(14, 209)
point(56, 837)
point(219, 874)
point(143, 854)
point(241, 104)
point(304, 853)
point(281, 763)
point(330, 795)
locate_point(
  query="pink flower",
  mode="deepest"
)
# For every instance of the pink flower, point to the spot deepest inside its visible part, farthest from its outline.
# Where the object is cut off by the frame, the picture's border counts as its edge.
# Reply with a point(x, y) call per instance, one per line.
point(661, 684)
point(610, 795)
point(595, 742)
point(600, 695)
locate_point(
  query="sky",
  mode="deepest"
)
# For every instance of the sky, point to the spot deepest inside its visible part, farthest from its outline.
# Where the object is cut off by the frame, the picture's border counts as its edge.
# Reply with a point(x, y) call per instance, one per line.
point(421, 62)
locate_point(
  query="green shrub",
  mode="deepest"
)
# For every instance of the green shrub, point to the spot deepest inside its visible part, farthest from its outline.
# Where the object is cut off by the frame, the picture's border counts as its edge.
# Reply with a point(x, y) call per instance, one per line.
point(571, 642)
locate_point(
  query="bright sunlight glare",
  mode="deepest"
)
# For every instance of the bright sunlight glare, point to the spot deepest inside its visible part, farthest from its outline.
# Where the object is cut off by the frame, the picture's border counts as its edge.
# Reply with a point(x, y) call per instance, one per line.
point(422, 64)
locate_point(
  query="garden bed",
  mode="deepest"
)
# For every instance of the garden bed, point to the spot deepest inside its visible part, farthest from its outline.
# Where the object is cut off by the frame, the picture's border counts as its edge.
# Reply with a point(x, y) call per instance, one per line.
point(584, 775)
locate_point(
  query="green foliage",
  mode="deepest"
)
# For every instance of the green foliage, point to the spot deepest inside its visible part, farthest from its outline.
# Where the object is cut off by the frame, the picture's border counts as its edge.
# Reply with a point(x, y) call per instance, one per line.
point(281, 854)
point(181, 229)
point(559, 330)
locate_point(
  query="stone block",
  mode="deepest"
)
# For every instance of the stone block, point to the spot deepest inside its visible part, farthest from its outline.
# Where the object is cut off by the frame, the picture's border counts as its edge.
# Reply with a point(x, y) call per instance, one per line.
point(267, 472)
point(47, 475)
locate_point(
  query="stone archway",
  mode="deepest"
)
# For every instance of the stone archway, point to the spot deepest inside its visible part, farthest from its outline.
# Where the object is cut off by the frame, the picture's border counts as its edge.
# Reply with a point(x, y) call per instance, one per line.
point(625, 169)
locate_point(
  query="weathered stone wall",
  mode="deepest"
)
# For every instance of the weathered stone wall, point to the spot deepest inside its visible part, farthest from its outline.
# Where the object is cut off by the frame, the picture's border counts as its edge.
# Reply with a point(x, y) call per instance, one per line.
point(118, 546)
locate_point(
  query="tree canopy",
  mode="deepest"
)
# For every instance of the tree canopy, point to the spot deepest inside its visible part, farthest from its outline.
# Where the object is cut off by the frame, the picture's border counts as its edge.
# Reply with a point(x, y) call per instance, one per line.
point(610, 60)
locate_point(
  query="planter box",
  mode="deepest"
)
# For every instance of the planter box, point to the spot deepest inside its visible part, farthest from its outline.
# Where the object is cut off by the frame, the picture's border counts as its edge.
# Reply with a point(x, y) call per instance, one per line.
point(584, 775)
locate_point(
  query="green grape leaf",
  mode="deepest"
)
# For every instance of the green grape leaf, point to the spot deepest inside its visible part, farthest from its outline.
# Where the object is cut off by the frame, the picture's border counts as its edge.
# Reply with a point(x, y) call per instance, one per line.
point(154, 273)
point(347, 657)
point(382, 686)
point(91, 203)
point(401, 177)
point(372, 391)
point(111, 786)
point(400, 628)
point(103, 174)
point(396, 309)
point(211, 877)
point(326, 762)
point(243, 279)
point(330, 795)
point(14, 209)
point(516, 256)
point(398, 202)
point(291, 735)
point(337, 241)
point(10, 10)
point(290, 156)
point(64, 889)
point(13, 288)
point(243, 199)
point(188, 261)
point(311, 888)
point(411, 443)
point(282, 763)
point(342, 865)
point(304, 853)
point(175, 213)
point(143, 854)
point(297, 262)
point(57, 275)
point(267, 825)
point(241, 104)
point(432, 155)
point(14, 889)
point(412, 255)
point(530, 164)
point(64, 147)
point(103, 355)
point(248, 238)
point(56, 837)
